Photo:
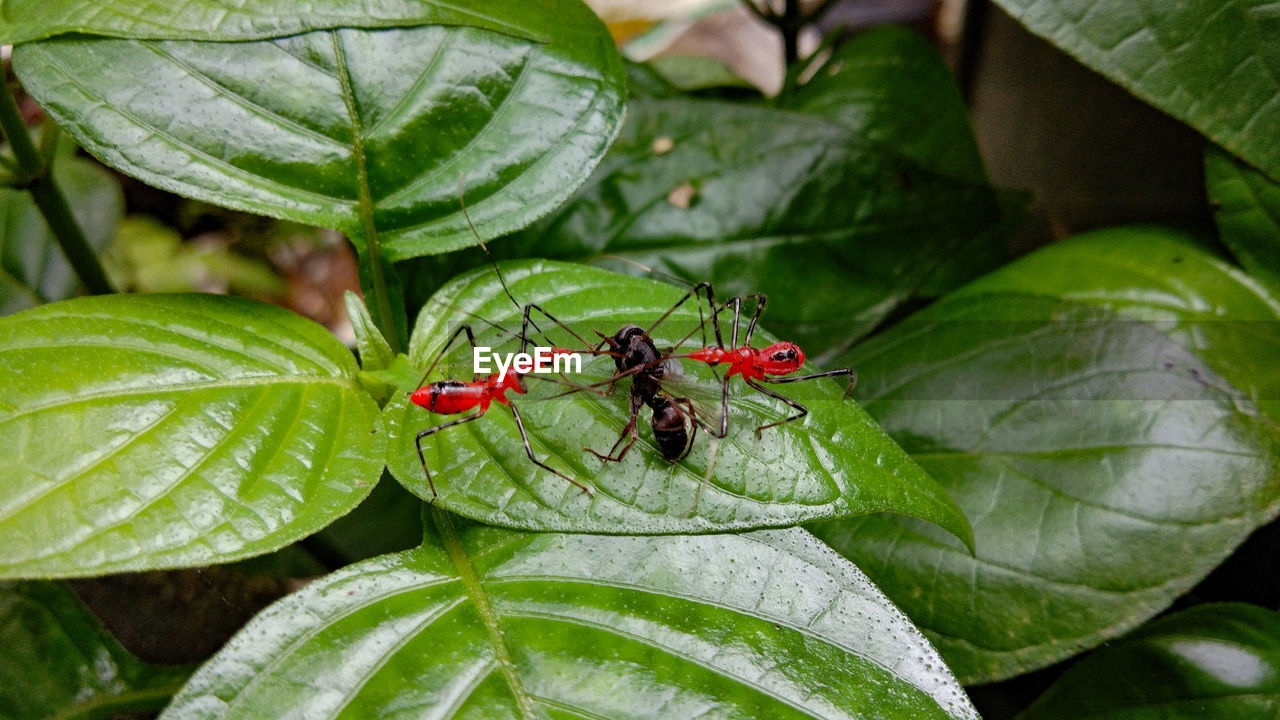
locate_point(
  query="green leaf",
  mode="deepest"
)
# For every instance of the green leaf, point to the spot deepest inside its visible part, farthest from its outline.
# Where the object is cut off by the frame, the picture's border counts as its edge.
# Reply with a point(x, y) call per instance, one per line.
point(25, 20)
point(836, 462)
point(364, 131)
point(1209, 662)
point(1213, 64)
point(58, 661)
point(160, 431)
point(1163, 277)
point(1247, 209)
point(1105, 467)
point(691, 73)
point(838, 212)
point(33, 269)
point(890, 86)
point(375, 353)
point(837, 230)
point(491, 623)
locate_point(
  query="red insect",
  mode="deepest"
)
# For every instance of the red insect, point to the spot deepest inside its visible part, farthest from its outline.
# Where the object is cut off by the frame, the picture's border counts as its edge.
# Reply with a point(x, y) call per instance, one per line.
point(452, 397)
point(758, 365)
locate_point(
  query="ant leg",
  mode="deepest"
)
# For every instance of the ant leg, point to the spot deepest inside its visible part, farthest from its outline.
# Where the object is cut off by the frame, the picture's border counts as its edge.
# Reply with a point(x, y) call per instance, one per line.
point(629, 429)
point(529, 451)
point(471, 339)
point(432, 431)
point(801, 408)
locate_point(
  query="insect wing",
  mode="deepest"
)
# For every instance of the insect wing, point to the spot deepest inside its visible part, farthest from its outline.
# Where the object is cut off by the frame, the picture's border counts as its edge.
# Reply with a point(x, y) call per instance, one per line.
point(695, 382)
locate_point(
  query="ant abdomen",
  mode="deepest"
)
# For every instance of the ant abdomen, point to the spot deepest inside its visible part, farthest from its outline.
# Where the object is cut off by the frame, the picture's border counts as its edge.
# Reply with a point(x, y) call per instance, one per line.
point(670, 429)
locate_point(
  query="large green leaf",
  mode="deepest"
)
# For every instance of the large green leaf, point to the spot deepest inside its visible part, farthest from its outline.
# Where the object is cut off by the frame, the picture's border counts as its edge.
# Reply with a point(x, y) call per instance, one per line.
point(837, 212)
point(1206, 663)
point(365, 131)
point(1247, 209)
point(58, 662)
point(836, 462)
point(890, 86)
point(1213, 64)
point(33, 269)
point(164, 431)
point(1164, 277)
point(26, 20)
point(490, 623)
point(1105, 468)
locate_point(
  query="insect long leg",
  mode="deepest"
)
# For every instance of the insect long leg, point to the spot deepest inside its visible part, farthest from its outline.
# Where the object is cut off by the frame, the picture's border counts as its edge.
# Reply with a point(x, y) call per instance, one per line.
point(470, 339)
point(853, 377)
point(637, 402)
point(705, 287)
point(434, 430)
point(524, 327)
point(801, 408)
point(528, 450)
point(762, 301)
point(485, 248)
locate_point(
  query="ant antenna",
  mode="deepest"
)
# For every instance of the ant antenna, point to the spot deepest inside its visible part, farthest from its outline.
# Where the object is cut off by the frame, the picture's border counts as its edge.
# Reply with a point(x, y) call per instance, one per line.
point(484, 247)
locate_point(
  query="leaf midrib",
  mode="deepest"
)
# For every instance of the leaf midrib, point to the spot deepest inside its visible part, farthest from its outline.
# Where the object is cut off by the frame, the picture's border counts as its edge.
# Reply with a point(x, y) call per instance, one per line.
point(180, 387)
point(480, 600)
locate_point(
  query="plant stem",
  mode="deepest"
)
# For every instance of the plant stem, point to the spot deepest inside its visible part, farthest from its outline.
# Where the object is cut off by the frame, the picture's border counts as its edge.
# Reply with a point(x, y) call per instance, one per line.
point(383, 316)
point(790, 25)
point(37, 177)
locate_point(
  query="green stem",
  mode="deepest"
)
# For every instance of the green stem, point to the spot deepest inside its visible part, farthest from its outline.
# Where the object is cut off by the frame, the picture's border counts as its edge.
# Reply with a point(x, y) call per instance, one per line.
point(383, 316)
point(37, 176)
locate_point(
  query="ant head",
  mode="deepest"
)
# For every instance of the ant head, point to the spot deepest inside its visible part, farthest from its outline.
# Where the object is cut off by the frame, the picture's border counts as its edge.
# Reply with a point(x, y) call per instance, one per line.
point(626, 336)
point(782, 358)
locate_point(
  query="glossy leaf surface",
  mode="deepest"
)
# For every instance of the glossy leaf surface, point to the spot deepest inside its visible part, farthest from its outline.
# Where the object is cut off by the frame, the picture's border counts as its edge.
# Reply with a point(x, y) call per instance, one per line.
point(1213, 64)
point(835, 462)
point(1247, 209)
point(491, 623)
point(890, 86)
point(1205, 663)
point(25, 20)
point(1163, 277)
point(837, 212)
point(164, 431)
point(33, 269)
point(363, 131)
point(1105, 467)
point(58, 661)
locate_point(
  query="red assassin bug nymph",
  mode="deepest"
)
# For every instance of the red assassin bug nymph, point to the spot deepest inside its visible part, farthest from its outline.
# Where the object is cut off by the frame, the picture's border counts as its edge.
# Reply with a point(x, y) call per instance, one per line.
point(452, 397)
point(757, 365)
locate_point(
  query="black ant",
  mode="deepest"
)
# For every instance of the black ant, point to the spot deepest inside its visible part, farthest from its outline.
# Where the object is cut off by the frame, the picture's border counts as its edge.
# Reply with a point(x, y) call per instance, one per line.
point(674, 420)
